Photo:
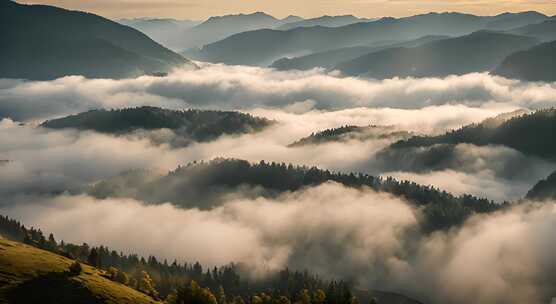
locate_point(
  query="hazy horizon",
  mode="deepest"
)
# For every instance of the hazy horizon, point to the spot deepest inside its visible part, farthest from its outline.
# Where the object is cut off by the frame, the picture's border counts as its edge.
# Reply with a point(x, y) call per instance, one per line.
point(200, 10)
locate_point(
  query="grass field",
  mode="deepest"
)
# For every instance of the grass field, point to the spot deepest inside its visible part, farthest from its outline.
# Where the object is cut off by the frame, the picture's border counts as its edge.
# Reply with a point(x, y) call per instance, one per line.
point(31, 275)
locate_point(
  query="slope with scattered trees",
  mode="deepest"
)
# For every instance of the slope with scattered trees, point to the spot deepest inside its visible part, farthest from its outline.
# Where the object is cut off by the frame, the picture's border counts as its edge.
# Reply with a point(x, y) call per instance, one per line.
point(84, 274)
point(31, 275)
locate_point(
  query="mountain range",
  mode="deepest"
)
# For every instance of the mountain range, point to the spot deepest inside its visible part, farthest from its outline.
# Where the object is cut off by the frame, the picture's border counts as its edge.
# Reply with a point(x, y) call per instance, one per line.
point(326, 21)
point(535, 64)
point(45, 42)
point(262, 47)
point(330, 59)
point(483, 51)
point(165, 31)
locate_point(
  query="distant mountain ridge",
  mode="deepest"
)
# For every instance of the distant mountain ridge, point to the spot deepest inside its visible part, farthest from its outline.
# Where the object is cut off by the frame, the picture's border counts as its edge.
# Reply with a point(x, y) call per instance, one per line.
point(534, 64)
point(46, 42)
point(162, 30)
point(262, 47)
point(326, 21)
point(483, 51)
point(330, 59)
point(545, 31)
point(220, 27)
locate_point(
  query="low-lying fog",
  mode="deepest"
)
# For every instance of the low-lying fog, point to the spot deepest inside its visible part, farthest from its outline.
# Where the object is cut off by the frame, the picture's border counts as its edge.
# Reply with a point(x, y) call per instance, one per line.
point(373, 237)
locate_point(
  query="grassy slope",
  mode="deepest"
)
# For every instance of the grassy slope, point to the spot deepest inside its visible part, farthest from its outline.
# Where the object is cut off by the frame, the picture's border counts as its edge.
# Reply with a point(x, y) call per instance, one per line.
point(24, 268)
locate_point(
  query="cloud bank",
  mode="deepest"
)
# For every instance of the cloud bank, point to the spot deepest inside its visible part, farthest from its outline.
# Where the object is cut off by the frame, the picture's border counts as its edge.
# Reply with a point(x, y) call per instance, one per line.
point(335, 231)
point(240, 87)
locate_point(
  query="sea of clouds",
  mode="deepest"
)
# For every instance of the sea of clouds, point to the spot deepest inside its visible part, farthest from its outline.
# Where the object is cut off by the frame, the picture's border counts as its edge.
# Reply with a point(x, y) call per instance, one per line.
point(373, 238)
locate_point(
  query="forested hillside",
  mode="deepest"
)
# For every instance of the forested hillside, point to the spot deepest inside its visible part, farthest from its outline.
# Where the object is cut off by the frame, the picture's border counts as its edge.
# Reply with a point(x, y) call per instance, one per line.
point(188, 126)
point(348, 133)
point(531, 134)
point(205, 185)
point(544, 189)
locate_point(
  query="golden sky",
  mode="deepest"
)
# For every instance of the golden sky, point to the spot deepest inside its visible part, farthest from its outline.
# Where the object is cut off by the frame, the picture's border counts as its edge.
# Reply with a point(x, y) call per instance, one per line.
point(201, 9)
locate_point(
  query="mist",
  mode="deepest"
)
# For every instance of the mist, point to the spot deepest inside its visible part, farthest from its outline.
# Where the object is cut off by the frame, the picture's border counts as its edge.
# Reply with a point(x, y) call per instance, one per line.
point(55, 161)
point(239, 87)
point(372, 238)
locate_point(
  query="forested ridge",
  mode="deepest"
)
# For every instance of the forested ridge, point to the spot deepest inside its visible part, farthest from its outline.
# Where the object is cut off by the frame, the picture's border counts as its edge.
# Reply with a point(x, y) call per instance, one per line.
point(195, 125)
point(532, 134)
point(351, 132)
point(544, 189)
point(223, 176)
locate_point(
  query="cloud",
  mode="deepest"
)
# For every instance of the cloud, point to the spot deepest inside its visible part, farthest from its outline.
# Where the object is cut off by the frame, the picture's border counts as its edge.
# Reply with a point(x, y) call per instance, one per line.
point(239, 231)
point(54, 161)
point(240, 87)
point(335, 231)
point(496, 172)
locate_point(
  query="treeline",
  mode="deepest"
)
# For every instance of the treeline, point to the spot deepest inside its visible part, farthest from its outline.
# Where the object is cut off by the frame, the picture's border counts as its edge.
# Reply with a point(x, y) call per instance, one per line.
point(531, 134)
point(195, 125)
point(351, 132)
point(544, 189)
point(205, 185)
point(188, 282)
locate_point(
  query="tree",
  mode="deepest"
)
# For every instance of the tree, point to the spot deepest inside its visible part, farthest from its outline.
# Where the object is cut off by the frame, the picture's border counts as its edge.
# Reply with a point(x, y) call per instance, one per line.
point(319, 297)
point(222, 296)
point(193, 294)
point(238, 300)
point(122, 278)
point(146, 285)
point(51, 244)
point(112, 272)
point(94, 258)
point(304, 297)
point(172, 297)
point(75, 268)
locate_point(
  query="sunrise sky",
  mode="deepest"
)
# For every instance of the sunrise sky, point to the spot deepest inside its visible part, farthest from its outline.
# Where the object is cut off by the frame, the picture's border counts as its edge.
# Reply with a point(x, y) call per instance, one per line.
point(201, 9)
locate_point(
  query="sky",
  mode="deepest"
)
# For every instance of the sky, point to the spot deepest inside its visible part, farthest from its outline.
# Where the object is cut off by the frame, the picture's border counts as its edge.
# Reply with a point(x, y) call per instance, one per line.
point(202, 9)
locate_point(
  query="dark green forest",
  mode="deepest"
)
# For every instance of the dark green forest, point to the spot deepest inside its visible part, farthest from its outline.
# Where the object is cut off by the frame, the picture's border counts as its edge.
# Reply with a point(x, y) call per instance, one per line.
point(544, 189)
point(190, 125)
point(531, 134)
point(205, 184)
point(351, 132)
